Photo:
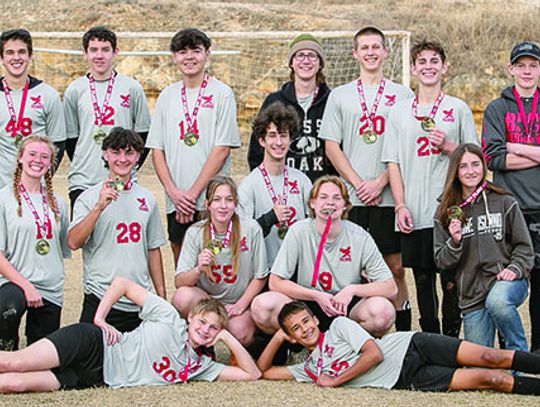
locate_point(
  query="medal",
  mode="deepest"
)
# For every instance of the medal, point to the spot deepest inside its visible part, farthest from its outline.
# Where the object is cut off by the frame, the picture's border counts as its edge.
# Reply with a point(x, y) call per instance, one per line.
point(282, 231)
point(117, 184)
point(18, 127)
point(455, 212)
point(18, 139)
point(369, 136)
point(427, 123)
point(214, 245)
point(42, 247)
point(191, 138)
point(99, 135)
point(327, 211)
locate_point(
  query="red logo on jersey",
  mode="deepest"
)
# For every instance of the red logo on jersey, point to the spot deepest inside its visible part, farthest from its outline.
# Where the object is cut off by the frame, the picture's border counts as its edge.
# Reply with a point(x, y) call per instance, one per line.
point(36, 102)
point(207, 101)
point(243, 245)
point(293, 187)
point(390, 100)
point(448, 115)
point(345, 254)
point(329, 350)
point(142, 207)
point(125, 100)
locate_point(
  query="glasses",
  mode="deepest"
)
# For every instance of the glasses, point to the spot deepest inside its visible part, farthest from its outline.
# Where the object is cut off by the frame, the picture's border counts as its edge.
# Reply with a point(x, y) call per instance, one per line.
point(300, 56)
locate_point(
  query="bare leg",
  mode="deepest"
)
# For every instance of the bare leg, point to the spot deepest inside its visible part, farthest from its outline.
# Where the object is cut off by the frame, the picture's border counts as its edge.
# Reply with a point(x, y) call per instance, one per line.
point(242, 328)
point(471, 354)
point(265, 309)
point(175, 247)
point(28, 381)
point(375, 314)
point(482, 379)
point(41, 355)
point(184, 298)
point(393, 261)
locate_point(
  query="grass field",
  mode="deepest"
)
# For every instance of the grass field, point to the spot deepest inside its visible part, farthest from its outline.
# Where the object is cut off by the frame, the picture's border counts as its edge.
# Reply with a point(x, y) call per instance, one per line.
point(262, 393)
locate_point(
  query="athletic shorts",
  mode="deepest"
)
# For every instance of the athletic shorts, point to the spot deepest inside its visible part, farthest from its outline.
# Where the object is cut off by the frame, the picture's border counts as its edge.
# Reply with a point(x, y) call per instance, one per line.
point(80, 350)
point(417, 249)
point(379, 222)
point(325, 320)
point(430, 363)
point(176, 230)
point(124, 321)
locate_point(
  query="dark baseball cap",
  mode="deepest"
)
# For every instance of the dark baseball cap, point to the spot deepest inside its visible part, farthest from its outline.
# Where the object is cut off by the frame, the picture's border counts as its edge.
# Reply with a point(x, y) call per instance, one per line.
point(526, 48)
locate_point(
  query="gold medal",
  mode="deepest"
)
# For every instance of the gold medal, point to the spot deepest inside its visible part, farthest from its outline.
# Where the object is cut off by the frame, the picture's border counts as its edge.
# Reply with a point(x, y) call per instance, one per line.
point(454, 212)
point(214, 246)
point(117, 184)
point(18, 139)
point(428, 124)
point(190, 139)
point(369, 136)
point(327, 211)
point(282, 231)
point(99, 135)
point(42, 247)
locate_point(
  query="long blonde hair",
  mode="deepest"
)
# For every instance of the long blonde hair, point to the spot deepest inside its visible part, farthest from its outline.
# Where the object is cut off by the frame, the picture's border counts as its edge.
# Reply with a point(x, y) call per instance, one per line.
point(211, 189)
point(51, 200)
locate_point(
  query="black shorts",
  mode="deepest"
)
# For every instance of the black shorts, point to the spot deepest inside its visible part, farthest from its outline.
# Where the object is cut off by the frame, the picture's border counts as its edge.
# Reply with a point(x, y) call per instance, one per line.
point(73, 195)
point(80, 350)
point(122, 320)
point(325, 320)
point(430, 363)
point(379, 222)
point(417, 249)
point(176, 230)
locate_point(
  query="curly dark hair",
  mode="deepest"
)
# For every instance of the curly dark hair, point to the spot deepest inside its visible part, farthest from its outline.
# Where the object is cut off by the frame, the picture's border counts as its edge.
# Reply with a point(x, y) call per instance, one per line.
point(284, 117)
point(120, 138)
point(424, 45)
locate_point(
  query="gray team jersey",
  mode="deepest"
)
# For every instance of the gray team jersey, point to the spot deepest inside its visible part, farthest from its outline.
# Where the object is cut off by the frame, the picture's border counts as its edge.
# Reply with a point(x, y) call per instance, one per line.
point(423, 168)
point(216, 124)
point(255, 201)
point(342, 260)
point(120, 240)
point(228, 287)
point(46, 116)
point(157, 352)
point(127, 108)
point(18, 244)
point(342, 123)
point(341, 348)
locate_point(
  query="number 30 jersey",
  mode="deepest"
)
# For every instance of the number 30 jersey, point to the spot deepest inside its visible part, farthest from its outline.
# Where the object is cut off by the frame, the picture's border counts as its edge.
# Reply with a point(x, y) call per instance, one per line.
point(120, 240)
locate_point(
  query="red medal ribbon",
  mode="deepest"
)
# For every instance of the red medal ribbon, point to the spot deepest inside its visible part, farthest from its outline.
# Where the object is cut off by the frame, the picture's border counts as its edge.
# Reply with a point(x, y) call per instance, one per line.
point(99, 113)
point(317, 265)
point(474, 195)
point(270, 188)
point(44, 228)
point(527, 127)
point(433, 109)
point(227, 239)
point(363, 104)
point(191, 120)
point(17, 122)
point(184, 375)
point(319, 361)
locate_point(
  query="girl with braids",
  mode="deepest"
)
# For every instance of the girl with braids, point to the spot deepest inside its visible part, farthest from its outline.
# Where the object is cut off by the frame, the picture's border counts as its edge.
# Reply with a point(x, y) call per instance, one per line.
point(33, 228)
point(481, 233)
point(223, 257)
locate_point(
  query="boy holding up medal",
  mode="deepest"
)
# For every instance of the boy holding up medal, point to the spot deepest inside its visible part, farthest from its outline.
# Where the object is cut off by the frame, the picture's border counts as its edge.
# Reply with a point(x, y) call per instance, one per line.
point(274, 193)
point(117, 225)
point(420, 135)
point(94, 104)
point(192, 132)
point(354, 126)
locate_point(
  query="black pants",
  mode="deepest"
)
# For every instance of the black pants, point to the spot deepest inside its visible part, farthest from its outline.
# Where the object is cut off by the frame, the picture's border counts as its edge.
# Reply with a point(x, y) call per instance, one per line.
point(121, 320)
point(73, 195)
point(40, 321)
point(533, 223)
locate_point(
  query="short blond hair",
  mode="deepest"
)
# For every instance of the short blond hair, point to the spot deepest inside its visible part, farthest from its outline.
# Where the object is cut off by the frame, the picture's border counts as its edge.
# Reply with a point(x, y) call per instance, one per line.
point(337, 182)
point(209, 305)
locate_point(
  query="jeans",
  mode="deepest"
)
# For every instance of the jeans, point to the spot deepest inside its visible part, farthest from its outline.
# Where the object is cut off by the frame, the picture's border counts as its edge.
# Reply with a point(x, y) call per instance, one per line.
point(499, 312)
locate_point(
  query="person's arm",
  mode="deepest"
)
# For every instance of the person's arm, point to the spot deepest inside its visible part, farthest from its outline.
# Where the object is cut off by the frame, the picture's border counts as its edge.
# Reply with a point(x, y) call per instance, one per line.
point(370, 356)
point(446, 250)
point(404, 218)
point(522, 254)
point(155, 269)
point(254, 287)
point(31, 294)
point(246, 369)
point(211, 167)
point(341, 163)
point(60, 147)
point(264, 362)
point(144, 154)
point(524, 151)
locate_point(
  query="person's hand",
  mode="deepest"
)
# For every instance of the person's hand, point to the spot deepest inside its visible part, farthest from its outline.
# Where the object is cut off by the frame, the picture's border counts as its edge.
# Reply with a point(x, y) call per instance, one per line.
point(112, 335)
point(205, 258)
point(282, 212)
point(454, 228)
point(182, 218)
point(326, 381)
point(404, 220)
point(235, 309)
point(325, 302)
point(184, 202)
point(342, 299)
point(370, 192)
point(437, 138)
point(107, 194)
point(506, 275)
point(32, 296)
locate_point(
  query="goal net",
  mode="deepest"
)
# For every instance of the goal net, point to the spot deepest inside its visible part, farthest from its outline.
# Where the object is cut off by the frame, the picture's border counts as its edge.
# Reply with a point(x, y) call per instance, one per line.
point(253, 64)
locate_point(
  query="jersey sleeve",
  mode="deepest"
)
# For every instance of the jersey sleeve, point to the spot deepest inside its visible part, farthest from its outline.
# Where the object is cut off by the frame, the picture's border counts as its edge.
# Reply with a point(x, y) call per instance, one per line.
point(139, 109)
point(446, 252)
point(55, 123)
point(226, 122)
point(331, 128)
point(351, 332)
point(306, 189)
point(494, 138)
point(64, 225)
point(246, 198)
point(298, 373)
point(260, 269)
point(468, 128)
point(190, 250)
point(158, 129)
point(373, 262)
point(71, 113)
point(209, 370)
point(3, 227)
point(390, 150)
point(287, 256)
point(80, 210)
point(155, 235)
point(157, 309)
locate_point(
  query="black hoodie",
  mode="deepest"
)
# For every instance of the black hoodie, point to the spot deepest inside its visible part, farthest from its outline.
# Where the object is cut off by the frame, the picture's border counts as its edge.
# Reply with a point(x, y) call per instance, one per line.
point(501, 124)
point(306, 151)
